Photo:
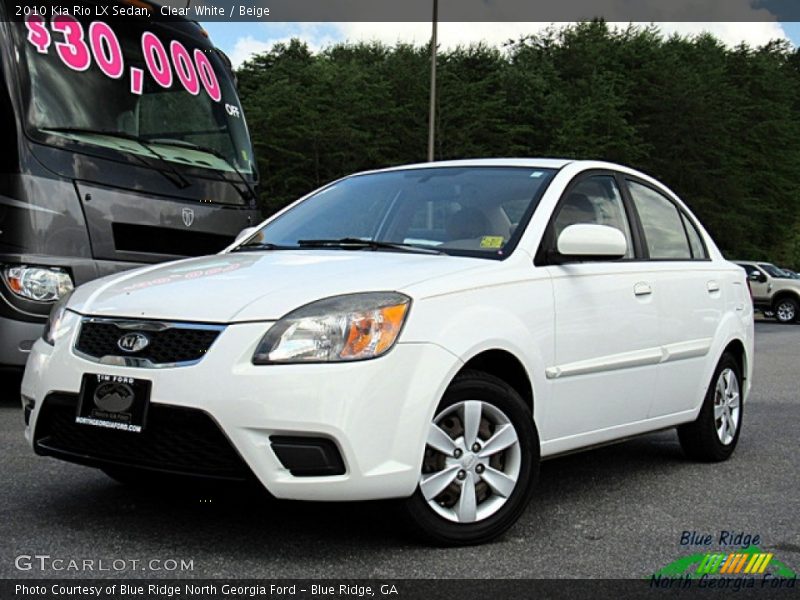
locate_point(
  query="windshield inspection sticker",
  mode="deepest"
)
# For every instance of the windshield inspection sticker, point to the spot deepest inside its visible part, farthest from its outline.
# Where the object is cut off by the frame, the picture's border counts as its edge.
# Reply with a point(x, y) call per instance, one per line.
point(492, 241)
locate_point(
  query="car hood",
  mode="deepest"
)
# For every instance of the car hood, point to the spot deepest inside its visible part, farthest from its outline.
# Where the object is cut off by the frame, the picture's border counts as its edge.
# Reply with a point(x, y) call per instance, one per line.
point(254, 286)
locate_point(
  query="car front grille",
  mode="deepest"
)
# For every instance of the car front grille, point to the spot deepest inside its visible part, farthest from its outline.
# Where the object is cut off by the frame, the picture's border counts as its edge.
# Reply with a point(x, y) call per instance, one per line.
point(165, 240)
point(175, 440)
point(168, 343)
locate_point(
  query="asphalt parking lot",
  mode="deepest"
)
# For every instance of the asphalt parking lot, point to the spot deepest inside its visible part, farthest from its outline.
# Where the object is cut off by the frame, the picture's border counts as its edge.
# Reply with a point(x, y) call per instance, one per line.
point(616, 512)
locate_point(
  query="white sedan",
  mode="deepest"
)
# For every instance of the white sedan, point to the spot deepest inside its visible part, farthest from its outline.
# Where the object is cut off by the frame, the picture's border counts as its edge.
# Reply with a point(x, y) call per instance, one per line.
point(428, 332)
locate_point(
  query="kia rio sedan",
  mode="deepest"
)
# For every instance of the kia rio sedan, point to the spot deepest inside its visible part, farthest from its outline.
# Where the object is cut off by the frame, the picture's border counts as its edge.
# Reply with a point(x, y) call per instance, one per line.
point(428, 332)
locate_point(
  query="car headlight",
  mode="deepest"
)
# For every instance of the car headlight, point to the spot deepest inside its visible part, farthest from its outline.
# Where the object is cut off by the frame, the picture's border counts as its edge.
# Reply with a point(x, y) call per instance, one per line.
point(338, 329)
point(57, 324)
point(41, 284)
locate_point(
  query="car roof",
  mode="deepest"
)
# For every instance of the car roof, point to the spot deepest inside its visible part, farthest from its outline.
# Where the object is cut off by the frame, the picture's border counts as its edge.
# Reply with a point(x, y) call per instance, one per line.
point(531, 163)
point(754, 263)
point(541, 163)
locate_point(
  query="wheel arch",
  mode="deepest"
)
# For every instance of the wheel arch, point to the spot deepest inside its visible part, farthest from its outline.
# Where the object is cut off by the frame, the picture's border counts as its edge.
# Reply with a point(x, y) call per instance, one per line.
point(506, 366)
point(793, 294)
point(736, 349)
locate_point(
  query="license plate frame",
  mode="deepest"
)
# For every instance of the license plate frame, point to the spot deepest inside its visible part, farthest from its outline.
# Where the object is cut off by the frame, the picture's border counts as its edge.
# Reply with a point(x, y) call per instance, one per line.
point(113, 402)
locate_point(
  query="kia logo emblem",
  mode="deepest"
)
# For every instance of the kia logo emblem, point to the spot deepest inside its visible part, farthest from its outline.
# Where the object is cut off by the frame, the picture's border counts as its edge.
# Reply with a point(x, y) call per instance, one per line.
point(188, 216)
point(133, 342)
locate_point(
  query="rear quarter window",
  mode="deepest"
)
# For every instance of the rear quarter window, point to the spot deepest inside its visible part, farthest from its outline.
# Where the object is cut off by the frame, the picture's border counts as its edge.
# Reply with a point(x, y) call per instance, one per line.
point(662, 224)
point(698, 248)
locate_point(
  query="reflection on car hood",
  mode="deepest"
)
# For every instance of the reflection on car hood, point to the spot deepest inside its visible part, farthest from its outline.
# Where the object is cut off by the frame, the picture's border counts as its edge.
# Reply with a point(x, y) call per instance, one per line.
point(252, 286)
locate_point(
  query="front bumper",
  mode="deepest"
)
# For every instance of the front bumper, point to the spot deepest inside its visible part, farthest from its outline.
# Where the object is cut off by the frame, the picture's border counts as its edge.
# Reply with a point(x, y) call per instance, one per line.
point(376, 412)
point(17, 338)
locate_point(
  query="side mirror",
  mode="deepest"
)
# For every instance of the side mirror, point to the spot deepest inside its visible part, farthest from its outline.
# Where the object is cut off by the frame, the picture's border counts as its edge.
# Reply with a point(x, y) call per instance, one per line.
point(245, 233)
point(757, 276)
point(591, 242)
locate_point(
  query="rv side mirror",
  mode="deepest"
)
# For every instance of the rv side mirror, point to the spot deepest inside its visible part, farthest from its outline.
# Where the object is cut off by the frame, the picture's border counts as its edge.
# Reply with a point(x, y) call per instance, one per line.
point(586, 241)
point(245, 233)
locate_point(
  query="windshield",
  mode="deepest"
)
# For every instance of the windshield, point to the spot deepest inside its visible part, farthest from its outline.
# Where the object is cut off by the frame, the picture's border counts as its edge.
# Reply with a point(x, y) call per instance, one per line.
point(475, 211)
point(774, 271)
point(97, 84)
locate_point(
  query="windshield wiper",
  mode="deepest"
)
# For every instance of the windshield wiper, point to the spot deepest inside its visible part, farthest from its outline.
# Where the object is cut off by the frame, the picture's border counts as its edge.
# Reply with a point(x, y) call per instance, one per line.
point(179, 180)
point(262, 246)
point(358, 244)
point(217, 154)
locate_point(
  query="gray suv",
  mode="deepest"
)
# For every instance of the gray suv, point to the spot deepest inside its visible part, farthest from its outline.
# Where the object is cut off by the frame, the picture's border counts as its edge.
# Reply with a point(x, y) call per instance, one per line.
point(774, 292)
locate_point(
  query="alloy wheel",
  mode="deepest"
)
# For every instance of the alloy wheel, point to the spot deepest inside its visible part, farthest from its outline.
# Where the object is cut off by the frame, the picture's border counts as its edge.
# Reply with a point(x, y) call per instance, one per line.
point(726, 406)
point(786, 312)
point(472, 461)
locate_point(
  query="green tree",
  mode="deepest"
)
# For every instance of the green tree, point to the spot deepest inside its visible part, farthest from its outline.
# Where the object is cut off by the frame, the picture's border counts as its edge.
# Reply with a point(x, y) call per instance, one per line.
point(718, 124)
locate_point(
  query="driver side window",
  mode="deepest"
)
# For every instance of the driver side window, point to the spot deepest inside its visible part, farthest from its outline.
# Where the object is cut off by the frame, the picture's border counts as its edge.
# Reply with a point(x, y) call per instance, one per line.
point(595, 200)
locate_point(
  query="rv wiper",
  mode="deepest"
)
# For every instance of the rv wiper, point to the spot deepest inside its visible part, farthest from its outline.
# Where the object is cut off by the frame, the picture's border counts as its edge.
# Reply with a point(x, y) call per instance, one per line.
point(219, 155)
point(179, 180)
point(357, 243)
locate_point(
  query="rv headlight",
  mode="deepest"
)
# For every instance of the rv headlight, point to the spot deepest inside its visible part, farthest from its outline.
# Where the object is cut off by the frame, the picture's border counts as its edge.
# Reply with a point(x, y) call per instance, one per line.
point(41, 284)
point(338, 329)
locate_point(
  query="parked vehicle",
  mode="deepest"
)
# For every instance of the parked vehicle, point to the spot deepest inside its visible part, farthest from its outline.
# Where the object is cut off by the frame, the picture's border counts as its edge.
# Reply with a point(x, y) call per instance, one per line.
point(773, 291)
point(123, 144)
point(790, 274)
point(427, 332)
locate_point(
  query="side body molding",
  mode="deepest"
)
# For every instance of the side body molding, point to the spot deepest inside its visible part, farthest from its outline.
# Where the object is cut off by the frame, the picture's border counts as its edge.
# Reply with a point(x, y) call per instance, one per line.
point(637, 358)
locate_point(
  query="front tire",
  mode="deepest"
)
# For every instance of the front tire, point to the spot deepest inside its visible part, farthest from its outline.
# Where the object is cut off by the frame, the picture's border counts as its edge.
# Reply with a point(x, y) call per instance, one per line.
point(480, 465)
point(786, 310)
point(715, 433)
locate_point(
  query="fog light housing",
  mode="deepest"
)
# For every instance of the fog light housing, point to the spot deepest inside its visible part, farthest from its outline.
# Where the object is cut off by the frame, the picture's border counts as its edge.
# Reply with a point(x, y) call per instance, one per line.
point(40, 284)
point(308, 456)
point(28, 404)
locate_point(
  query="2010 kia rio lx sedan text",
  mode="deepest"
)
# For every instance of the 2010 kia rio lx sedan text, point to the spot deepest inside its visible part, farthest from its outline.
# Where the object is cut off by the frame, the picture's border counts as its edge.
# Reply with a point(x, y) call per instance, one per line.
point(427, 332)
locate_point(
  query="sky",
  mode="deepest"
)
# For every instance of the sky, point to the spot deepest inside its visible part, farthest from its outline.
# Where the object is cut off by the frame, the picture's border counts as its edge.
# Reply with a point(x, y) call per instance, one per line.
point(241, 39)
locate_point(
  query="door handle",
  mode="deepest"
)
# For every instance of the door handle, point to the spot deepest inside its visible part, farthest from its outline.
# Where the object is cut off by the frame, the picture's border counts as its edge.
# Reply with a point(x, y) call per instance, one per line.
point(642, 289)
point(713, 286)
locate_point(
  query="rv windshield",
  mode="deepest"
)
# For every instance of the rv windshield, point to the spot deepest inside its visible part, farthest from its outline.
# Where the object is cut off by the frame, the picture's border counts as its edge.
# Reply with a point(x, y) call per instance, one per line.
point(140, 88)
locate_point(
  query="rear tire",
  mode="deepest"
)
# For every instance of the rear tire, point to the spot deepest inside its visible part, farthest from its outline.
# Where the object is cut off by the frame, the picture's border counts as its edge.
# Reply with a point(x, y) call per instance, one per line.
point(480, 466)
point(713, 436)
point(787, 310)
